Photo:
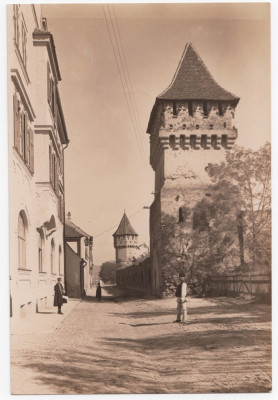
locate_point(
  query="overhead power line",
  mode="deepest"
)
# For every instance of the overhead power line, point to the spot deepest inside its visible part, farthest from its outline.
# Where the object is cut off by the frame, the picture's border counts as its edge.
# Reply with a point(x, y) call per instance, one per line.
point(115, 226)
point(125, 78)
point(137, 119)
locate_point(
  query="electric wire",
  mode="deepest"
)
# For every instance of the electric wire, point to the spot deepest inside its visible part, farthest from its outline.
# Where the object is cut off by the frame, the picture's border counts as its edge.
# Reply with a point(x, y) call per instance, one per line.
point(116, 225)
point(136, 114)
point(123, 86)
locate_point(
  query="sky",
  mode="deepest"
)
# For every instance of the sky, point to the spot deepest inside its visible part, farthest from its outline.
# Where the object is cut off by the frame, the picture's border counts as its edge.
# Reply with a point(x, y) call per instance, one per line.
point(106, 164)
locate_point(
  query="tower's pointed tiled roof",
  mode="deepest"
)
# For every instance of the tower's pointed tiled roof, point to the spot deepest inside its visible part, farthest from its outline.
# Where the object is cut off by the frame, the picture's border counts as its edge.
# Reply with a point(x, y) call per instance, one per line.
point(125, 227)
point(193, 81)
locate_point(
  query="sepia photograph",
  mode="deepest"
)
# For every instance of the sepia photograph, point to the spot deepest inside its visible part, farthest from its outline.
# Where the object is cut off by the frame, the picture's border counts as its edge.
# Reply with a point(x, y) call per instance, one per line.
point(140, 213)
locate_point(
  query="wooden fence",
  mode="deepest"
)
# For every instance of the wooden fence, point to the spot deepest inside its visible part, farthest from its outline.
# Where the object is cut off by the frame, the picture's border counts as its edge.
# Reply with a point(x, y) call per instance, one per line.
point(255, 284)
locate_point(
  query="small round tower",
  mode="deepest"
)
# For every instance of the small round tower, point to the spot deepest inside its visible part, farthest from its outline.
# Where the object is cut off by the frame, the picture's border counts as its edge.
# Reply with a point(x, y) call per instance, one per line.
point(125, 242)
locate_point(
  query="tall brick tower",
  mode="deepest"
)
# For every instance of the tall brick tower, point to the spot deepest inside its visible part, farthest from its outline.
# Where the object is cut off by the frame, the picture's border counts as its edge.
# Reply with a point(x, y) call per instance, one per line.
point(191, 125)
point(125, 242)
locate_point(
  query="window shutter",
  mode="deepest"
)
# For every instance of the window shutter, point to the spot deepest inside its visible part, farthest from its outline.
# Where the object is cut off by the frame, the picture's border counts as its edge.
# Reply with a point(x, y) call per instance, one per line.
point(26, 141)
point(53, 171)
point(50, 164)
point(48, 85)
point(55, 103)
point(21, 134)
point(59, 207)
point(56, 178)
point(16, 123)
point(31, 156)
point(25, 134)
point(62, 208)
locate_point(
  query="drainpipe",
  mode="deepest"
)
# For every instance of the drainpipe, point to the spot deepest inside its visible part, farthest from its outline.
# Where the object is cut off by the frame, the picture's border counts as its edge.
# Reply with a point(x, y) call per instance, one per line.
point(64, 219)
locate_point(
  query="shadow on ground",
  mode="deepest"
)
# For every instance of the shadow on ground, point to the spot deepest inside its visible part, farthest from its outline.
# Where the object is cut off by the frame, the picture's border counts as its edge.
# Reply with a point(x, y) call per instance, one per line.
point(118, 294)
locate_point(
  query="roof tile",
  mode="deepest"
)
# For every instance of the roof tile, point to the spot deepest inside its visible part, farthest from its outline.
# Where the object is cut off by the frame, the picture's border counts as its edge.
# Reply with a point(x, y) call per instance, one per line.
point(193, 81)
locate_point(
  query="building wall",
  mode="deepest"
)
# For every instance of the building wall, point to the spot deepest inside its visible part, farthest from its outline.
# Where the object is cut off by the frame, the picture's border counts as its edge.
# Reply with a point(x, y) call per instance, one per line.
point(73, 273)
point(82, 247)
point(31, 194)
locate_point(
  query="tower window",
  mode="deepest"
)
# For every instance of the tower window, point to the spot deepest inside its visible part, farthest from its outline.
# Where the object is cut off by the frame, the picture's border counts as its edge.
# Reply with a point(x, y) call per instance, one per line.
point(214, 141)
point(193, 141)
point(204, 141)
point(174, 109)
point(220, 108)
point(224, 141)
point(197, 126)
point(210, 126)
point(205, 108)
point(183, 126)
point(171, 126)
point(224, 125)
point(181, 216)
point(182, 140)
point(172, 140)
point(190, 108)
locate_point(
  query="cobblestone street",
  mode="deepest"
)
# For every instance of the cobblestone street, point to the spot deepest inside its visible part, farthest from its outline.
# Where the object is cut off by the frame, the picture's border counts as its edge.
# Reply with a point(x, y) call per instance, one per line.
point(130, 345)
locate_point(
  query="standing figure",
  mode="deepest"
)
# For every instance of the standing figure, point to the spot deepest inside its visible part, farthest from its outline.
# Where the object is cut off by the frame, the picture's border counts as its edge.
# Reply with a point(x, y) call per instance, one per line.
point(58, 296)
point(98, 292)
point(181, 299)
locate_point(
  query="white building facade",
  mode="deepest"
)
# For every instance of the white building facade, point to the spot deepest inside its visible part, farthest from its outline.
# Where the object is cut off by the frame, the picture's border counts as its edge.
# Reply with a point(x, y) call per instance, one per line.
point(37, 140)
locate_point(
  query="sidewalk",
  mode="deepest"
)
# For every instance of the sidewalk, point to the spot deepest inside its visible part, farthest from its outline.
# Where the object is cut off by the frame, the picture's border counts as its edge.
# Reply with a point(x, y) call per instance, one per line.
point(45, 321)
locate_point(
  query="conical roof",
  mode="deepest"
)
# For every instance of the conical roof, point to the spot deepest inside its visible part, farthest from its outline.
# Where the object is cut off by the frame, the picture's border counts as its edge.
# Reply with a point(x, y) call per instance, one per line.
point(125, 227)
point(193, 81)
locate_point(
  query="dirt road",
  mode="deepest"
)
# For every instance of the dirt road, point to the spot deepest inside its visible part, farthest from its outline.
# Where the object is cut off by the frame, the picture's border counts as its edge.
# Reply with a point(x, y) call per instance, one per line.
point(131, 345)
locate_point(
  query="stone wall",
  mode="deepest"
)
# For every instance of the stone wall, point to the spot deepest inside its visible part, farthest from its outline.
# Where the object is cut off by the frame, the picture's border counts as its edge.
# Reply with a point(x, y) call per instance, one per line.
point(185, 184)
point(135, 276)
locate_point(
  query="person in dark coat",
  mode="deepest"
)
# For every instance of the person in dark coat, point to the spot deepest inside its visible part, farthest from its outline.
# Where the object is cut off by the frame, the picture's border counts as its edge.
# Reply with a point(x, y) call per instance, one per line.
point(98, 292)
point(58, 295)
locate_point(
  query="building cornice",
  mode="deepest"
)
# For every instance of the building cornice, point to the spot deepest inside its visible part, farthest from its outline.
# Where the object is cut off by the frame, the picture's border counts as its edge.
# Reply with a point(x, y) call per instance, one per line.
point(44, 38)
point(61, 122)
point(15, 76)
point(47, 130)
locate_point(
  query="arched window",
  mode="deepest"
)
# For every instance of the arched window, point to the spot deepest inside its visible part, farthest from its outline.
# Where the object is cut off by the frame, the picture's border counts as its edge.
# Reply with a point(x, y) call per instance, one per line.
point(52, 255)
point(40, 251)
point(60, 261)
point(22, 228)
